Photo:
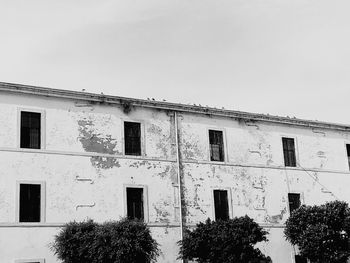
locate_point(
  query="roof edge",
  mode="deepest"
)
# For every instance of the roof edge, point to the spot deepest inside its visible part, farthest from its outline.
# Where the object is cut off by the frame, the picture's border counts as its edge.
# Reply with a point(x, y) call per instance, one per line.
point(102, 98)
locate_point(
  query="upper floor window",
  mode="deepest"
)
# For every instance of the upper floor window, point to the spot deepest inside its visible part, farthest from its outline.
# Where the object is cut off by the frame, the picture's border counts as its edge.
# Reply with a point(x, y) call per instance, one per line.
point(30, 131)
point(289, 152)
point(221, 205)
point(294, 201)
point(216, 143)
point(348, 153)
point(132, 138)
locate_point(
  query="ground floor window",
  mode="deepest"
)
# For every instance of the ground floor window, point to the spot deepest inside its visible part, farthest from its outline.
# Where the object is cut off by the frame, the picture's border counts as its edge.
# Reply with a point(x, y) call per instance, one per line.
point(31, 200)
point(221, 205)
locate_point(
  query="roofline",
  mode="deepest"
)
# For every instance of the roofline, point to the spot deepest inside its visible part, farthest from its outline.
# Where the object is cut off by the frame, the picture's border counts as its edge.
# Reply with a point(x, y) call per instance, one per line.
point(240, 115)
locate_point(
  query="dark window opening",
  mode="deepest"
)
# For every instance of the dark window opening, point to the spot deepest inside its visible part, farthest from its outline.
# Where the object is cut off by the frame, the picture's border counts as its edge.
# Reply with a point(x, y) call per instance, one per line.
point(132, 135)
point(294, 201)
point(30, 130)
point(29, 202)
point(221, 205)
point(289, 152)
point(134, 198)
point(216, 142)
point(300, 259)
point(348, 153)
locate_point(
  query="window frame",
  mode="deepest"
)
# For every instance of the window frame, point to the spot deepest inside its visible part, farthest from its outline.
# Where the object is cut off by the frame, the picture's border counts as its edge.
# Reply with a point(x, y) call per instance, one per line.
point(301, 199)
point(42, 200)
point(346, 154)
point(296, 150)
point(40, 260)
point(145, 200)
point(224, 143)
point(142, 138)
point(42, 128)
point(229, 201)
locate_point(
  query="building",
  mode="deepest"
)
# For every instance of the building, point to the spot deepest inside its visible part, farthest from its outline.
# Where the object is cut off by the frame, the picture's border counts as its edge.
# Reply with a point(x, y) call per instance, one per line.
point(69, 155)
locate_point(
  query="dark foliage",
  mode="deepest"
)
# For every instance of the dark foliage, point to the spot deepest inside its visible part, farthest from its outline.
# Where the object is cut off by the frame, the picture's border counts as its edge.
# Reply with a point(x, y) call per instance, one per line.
point(224, 241)
point(126, 241)
point(321, 232)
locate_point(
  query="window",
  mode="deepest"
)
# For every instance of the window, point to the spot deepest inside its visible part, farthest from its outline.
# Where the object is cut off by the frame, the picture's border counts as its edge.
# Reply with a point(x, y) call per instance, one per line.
point(294, 201)
point(30, 202)
point(289, 152)
point(348, 153)
point(30, 131)
point(221, 205)
point(135, 208)
point(300, 259)
point(132, 138)
point(216, 143)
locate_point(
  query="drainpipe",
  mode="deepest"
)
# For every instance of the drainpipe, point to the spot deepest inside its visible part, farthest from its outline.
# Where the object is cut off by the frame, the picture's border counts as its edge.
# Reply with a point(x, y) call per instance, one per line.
point(178, 174)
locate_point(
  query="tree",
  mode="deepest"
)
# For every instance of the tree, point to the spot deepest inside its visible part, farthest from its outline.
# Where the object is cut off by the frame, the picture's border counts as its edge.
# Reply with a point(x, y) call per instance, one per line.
point(128, 241)
point(321, 232)
point(224, 241)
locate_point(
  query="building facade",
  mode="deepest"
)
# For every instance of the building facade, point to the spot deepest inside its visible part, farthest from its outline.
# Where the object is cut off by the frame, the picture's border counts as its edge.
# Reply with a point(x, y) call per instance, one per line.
point(69, 155)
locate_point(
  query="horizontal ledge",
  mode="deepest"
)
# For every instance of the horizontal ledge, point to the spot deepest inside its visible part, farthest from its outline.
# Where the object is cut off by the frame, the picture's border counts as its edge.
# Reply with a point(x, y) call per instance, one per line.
point(54, 225)
point(153, 224)
point(85, 154)
point(276, 167)
point(153, 159)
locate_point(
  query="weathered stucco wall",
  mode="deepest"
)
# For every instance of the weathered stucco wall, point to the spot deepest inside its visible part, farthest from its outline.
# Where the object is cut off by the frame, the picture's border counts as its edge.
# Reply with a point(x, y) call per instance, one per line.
point(255, 175)
point(85, 171)
point(83, 165)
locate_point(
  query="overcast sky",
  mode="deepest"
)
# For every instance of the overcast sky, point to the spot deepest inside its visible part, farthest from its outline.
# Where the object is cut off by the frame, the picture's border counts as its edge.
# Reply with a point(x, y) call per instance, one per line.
point(267, 56)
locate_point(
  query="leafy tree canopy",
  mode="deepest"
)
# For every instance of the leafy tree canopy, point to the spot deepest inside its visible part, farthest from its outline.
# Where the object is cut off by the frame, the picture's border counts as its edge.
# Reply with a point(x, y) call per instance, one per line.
point(126, 241)
point(224, 241)
point(321, 232)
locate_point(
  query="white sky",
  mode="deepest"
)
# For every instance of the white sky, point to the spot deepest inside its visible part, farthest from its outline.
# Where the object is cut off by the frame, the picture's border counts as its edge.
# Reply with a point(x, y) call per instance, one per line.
point(284, 57)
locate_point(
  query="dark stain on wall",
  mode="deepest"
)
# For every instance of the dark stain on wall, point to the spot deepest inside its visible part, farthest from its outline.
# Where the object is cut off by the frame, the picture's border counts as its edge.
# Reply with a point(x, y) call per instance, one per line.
point(197, 199)
point(275, 219)
point(126, 106)
point(184, 199)
point(92, 141)
point(104, 162)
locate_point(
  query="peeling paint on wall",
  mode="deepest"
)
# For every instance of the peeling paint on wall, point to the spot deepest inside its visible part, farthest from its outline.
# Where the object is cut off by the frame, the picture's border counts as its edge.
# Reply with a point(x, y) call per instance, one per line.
point(165, 173)
point(94, 142)
point(163, 139)
point(104, 162)
point(161, 214)
point(173, 175)
point(147, 164)
point(275, 219)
